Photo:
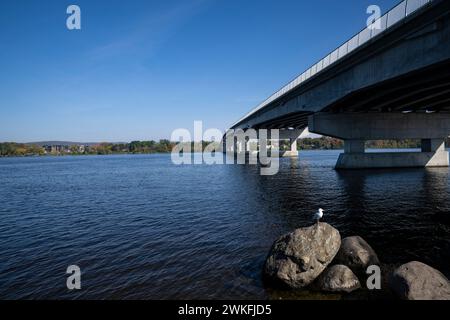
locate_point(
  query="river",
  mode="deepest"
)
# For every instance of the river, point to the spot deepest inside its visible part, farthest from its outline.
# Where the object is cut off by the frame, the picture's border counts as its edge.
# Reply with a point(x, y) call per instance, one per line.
point(140, 227)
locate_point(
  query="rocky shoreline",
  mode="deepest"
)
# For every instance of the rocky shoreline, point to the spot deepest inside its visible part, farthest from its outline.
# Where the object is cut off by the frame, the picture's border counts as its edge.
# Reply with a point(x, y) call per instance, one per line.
point(315, 258)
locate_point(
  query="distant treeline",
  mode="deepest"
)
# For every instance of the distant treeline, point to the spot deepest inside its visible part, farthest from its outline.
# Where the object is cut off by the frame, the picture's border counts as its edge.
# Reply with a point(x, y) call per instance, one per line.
point(166, 146)
point(326, 143)
point(138, 147)
point(19, 149)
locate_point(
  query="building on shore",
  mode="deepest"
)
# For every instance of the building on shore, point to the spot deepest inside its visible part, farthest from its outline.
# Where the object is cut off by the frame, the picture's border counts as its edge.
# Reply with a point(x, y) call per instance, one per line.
point(59, 148)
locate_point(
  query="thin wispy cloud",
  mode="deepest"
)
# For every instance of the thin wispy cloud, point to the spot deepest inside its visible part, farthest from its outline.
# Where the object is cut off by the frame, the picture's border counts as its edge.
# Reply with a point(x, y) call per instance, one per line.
point(151, 32)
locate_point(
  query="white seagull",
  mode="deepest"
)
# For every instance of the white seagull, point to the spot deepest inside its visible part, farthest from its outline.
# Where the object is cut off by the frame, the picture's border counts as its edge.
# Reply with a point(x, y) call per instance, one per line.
point(318, 215)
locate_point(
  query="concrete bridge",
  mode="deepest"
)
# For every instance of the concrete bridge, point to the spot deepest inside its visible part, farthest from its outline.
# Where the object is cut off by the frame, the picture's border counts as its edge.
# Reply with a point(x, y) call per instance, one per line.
point(384, 83)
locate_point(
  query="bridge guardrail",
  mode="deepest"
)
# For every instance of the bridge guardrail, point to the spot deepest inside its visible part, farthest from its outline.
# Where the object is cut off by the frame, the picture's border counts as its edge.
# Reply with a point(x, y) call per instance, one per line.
point(392, 17)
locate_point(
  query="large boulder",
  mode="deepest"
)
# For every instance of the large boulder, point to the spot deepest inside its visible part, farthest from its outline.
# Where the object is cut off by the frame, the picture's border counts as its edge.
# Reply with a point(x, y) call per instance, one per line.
point(296, 259)
point(338, 278)
point(418, 281)
point(356, 254)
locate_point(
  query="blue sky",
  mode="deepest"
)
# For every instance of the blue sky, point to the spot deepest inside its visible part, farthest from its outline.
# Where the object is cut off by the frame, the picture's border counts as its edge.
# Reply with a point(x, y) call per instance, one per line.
point(139, 69)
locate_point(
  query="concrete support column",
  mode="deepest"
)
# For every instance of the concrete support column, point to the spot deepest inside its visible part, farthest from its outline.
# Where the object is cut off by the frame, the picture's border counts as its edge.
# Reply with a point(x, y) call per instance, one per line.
point(355, 128)
point(236, 145)
point(228, 143)
point(241, 141)
point(239, 147)
point(354, 146)
point(247, 145)
point(293, 136)
point(293, 145)
point(433, 145)
point(293, 152)
point(224, 145)
point(252, 147)
point(225, 149)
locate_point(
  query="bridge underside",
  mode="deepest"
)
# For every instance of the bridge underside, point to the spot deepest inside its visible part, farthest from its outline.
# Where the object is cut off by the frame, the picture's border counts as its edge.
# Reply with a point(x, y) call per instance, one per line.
point(418, 101)
point(422, 91)
point(413, 106)
point(395, 86)
point(419, 91)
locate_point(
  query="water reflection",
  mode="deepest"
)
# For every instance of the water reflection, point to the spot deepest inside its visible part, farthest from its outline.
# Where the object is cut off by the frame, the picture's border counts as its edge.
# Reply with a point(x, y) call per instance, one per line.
point(141, 227)
point(403, 213)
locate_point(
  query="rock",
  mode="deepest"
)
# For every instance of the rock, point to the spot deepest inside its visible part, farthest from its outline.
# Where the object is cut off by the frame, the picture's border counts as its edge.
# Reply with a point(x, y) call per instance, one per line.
point(338, 278)
point(296, 259)
point(356, 254)
point(418, 281)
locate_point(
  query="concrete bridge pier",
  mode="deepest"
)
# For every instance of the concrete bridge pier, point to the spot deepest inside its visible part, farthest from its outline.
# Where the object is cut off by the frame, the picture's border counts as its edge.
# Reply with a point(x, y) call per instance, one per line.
point(251, 148)
point(293, 152)
point(356, 128)
point(244, 142)
point(292, 136)
point(239, 147)
point(233, 147)
point(238, 143)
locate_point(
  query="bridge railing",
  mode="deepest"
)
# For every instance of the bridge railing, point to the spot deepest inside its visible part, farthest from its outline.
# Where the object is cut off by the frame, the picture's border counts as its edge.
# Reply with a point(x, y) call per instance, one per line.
point(392, 17)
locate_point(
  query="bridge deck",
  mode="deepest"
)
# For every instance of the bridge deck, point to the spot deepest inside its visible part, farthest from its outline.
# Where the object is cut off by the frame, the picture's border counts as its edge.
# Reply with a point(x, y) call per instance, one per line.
point(403, 12)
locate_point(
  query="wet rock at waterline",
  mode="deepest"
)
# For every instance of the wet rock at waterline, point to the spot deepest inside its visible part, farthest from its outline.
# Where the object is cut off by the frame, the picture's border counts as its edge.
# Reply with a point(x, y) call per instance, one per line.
point(356, 254)
point(418, 281)
point(298, 258)
point(337, 278)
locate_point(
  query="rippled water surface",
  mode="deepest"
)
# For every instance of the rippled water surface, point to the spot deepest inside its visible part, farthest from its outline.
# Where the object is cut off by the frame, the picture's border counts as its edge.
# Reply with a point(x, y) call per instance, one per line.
point(142, 228)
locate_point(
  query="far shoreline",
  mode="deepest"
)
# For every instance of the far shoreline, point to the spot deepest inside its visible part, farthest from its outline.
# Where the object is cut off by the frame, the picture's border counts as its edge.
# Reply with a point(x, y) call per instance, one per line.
point(165, 153)
point(164, 146)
